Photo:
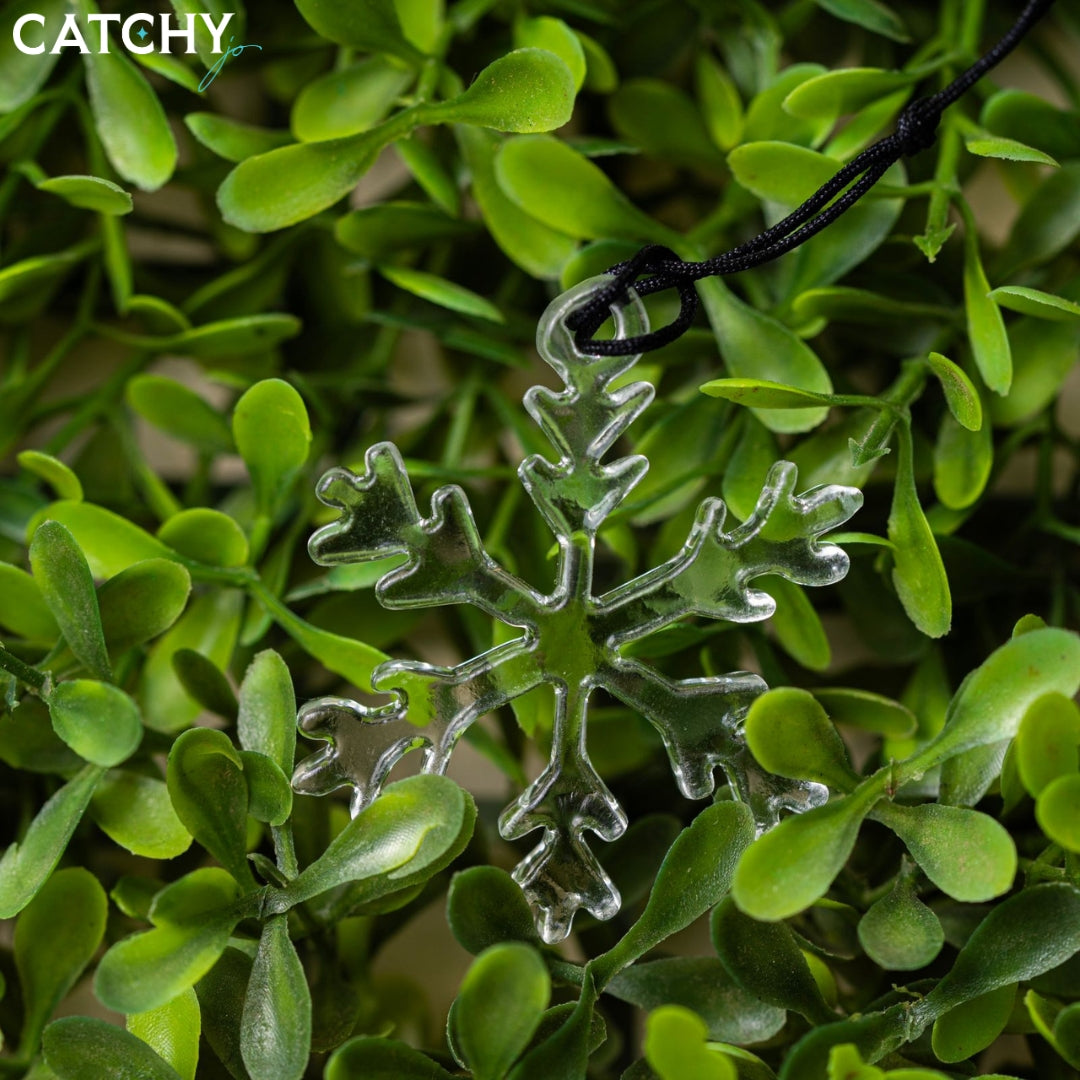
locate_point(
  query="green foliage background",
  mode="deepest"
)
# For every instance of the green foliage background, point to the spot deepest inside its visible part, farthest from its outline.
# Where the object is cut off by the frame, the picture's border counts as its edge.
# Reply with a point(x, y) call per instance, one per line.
point(350, 236)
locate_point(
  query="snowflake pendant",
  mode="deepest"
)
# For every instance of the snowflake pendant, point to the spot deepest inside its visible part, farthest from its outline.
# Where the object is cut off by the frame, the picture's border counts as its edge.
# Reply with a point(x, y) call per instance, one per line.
point(570, 638)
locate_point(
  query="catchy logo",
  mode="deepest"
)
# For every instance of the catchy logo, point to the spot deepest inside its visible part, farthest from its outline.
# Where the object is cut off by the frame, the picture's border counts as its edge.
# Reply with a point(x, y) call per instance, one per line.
point(135, 40)
point(140, 33)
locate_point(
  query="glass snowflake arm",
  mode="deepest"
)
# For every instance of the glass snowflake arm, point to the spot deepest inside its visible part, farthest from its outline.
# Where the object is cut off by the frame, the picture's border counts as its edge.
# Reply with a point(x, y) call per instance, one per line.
point(711, 575)
point(446, 563)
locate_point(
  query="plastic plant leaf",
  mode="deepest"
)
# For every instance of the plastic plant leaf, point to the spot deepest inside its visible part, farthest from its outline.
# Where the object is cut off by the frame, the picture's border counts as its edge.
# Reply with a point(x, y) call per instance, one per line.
point(381, 1059)
point(974, 1025)
point(703, 984)
point(27, 864)
point(485, 907)
point(570, 639)
point(675, 1047)
point(173, 1031)
point(785, 980)
point(502, 999)
point(56, 936)
point(61, 571)
point(275, 1028)
point(135, 811)
point(899, 932)
point(1047, 744)
point(79, 1048)
point(968, 855)
point(98, 721)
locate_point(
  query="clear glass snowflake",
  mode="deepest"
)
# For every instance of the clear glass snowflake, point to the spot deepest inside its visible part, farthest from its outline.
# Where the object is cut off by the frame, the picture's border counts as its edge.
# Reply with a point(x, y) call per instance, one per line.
point(570, 638)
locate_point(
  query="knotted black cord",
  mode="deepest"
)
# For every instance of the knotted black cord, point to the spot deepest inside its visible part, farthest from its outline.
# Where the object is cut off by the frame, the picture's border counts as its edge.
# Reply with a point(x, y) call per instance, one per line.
point(916, 130)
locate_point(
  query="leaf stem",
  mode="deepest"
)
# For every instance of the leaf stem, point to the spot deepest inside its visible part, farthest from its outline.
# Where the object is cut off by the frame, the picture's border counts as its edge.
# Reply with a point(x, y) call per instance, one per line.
point(23, 671)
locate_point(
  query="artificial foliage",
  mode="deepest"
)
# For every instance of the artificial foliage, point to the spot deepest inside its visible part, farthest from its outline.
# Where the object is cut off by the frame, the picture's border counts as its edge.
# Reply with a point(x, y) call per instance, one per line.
point(215, 289)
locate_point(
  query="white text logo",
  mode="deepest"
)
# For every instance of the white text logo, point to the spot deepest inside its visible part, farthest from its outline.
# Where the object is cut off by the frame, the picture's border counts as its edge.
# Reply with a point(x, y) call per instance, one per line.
point(140, 33)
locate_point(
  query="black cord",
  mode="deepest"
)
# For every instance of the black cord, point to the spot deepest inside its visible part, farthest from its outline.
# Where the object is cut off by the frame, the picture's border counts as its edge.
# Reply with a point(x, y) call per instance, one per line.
point(916, 130)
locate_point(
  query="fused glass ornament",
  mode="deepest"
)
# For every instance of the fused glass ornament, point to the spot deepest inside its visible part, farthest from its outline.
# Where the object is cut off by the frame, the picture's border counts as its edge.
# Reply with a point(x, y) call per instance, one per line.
point(568, 638)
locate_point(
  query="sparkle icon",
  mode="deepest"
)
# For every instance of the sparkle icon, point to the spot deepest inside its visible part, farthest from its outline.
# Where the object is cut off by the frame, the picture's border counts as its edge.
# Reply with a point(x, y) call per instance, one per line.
point(143, 33)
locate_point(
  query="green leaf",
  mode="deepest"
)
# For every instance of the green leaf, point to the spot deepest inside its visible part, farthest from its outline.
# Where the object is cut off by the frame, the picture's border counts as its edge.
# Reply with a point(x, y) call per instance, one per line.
point(720, 102)
point(267, 715)
point(27, 864)
point(439, 291)
point(960, 395)
point(797, 625)
point(991, 703)
point(546, 32)
point(502, 998)
point(22, 75)
point(532, 245)
point(867, 711)
point(762, 394)
point(1048, 741)
point(372, 26)
point(89, 193)
point(665, 123)
point(173, 1031)
point(485, 906)
point(899, 932)
point(428, 170)
point(59, 476)
point(1044, 354)
point(142, 602)
point(968, 855)
point(416, 827)
point(207, 536)
point(128, 116)
point(378, 231)
point(790, 735)
point(918, 572)
point(180, 412)
point(972, 1026)
point(209, 626)
point(1020, 115)
point(269, 794)
point(210, 796)
point(695, 875)
point(23, 610)
point(1057, 811)
point(275, 1030)
point(232, 139)
point(1042, 305)
point(98, 721)
point(846, 90)
point(767, 120)
point(273, 434)
point(62, 573)
point(1023, 936)
point(193, 919)
point(1049, 221)
point(994, 146)
point(565, 191)
point(986, 328)
point(704, 985)
point(205, 682)
point(963, 460)
point(135, 811)
point(527, 90)
point(780, 172)
point(348, 101)
point(755, 346)
point(79, 1048)
point(56, 936)
point(109, 542)
point(764, 959)
point(871, 15)
point(381, 1059)
point(788, 868)
point(675, 1047)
